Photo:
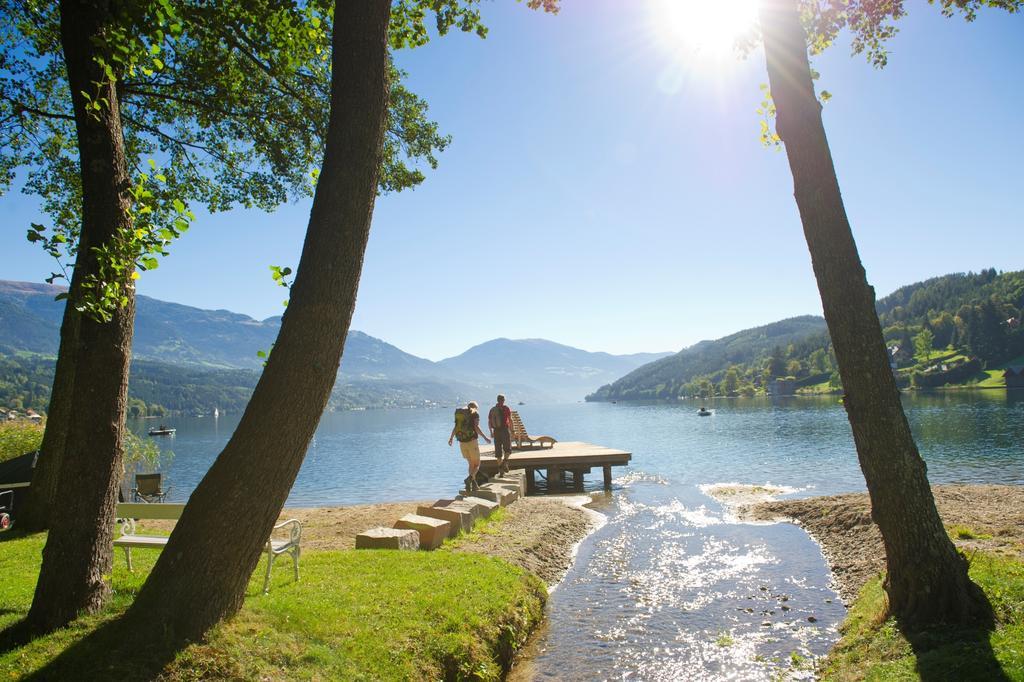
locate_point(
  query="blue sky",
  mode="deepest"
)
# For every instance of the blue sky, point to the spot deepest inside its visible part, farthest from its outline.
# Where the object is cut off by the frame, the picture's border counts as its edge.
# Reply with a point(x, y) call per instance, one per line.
point(606, 192)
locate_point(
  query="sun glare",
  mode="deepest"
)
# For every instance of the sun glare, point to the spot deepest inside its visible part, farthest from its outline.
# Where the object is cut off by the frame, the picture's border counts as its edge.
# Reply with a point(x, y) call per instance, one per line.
point(702, 29)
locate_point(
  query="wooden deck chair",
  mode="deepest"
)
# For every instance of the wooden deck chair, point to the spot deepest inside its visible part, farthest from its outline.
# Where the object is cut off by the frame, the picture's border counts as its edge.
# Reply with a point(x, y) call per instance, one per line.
point(520, 436)
point(149, 488)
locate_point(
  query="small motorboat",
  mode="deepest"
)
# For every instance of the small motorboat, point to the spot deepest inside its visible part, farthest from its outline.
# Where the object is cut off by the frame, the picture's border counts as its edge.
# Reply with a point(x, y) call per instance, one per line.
point(704, 412)
point(162, 431)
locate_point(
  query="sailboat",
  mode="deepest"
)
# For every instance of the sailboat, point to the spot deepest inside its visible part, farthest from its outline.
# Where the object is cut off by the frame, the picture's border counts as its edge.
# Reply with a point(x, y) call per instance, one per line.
point(216, 413)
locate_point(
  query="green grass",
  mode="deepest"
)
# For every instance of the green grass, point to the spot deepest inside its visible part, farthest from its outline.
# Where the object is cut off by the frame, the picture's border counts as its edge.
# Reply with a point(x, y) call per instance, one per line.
point(814, 389)
point(18, 438)
point(354, 615)
point(874, 648)
point(487, 525)
point(965, 533)
point(993, 378)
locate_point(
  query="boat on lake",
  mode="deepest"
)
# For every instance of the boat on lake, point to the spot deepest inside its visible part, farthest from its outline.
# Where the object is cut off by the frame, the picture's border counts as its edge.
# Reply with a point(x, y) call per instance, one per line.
point(162, 431)
point(704, 412)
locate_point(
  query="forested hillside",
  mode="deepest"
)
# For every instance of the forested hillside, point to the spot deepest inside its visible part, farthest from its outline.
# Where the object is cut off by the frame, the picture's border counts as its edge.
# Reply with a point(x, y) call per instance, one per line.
point(955, 329)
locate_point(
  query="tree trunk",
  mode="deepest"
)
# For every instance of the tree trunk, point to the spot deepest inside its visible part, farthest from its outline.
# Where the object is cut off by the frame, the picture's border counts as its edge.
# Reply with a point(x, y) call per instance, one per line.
point(202, 574)
point(927, 579)
point(77, 555)
point(42, 493)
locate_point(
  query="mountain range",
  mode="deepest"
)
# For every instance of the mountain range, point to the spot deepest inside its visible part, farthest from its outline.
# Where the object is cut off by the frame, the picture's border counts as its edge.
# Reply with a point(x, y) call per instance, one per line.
point(221, 346)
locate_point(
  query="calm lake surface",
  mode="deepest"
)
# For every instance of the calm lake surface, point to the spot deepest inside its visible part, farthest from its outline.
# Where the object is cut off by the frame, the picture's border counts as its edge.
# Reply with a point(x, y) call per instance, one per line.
point(670, 587)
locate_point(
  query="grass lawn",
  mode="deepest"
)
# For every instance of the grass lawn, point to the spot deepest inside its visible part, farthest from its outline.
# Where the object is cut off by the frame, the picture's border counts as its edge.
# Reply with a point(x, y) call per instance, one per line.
point(873, 648)
point(354, 615)
point(994, 378)
point(18, 438)
point(816, 389)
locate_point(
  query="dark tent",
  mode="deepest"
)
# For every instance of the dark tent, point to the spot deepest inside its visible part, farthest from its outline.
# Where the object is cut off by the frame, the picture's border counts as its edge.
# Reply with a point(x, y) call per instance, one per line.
point(16, 475)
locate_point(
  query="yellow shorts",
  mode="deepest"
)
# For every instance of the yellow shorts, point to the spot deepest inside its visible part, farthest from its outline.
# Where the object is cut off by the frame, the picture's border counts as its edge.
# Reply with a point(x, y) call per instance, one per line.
point(471, 450)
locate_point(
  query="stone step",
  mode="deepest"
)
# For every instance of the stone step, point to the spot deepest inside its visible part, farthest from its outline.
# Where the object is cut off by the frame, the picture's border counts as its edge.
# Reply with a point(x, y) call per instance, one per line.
point(503, 495)
point(485, 493)
point(516, 474)
point(388, 538)
point(485, 506)
point(460, 518)
point(462, 505)
point(513, 483)
point(432, 531)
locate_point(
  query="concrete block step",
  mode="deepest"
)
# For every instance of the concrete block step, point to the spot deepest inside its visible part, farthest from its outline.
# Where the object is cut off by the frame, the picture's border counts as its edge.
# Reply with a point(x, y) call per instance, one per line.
point(462, 505)
point(460, 518)
point(513, 483)
point(485, 493)
point(388, 538)
point(503, 496)
point(485, 506)
point(432, 531)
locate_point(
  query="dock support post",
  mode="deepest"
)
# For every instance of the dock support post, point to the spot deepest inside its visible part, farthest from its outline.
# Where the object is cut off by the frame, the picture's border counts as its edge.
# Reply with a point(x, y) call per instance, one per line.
point(531, 482)
point(554, 478)
point(607, 477)
point(577, 479)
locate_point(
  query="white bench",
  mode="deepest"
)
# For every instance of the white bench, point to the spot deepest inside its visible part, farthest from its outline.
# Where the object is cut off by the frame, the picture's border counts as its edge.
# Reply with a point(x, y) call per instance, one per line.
point(128, 513)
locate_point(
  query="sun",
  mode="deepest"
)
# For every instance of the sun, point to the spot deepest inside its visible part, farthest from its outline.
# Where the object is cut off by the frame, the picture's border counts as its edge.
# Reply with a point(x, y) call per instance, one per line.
point(705, 29)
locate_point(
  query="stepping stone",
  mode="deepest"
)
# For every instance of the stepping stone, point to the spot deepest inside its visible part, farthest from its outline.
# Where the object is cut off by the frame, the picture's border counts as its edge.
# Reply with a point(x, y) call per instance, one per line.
point(459, 518)
point(432, 531)
point(388, 538)
point(513, 483)
point(461, 505)
point(485, 506)
point(516, 474)
point(505, 496)
point(482, 492)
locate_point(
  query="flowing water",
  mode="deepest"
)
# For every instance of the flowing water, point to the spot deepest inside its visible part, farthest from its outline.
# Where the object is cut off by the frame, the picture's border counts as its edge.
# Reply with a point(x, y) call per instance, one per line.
point(671, 587)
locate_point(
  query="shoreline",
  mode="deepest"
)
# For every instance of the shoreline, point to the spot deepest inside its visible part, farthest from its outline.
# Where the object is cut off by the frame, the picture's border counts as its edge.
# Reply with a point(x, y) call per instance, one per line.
point(989, 518)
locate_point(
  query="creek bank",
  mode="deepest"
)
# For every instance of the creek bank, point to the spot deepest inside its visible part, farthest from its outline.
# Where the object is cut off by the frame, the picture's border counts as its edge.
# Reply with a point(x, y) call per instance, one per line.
point(989, 518)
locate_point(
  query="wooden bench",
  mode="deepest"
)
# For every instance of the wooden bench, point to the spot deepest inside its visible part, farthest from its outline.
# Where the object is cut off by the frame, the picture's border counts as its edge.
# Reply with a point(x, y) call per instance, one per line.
point(128, 513)
point(520, 436)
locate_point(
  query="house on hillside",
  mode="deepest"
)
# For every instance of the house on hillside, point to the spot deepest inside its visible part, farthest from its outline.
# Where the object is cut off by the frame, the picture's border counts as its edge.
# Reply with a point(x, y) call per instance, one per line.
point(33, 416)
point(1014, 376)
point(781, 387)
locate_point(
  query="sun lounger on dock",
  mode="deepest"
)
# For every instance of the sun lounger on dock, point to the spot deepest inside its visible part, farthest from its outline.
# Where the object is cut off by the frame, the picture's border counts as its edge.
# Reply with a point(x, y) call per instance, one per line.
point(520, 436)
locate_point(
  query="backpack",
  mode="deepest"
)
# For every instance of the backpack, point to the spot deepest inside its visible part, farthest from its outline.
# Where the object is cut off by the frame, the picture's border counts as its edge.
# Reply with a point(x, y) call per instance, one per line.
point(496, 417)
point(465, 426)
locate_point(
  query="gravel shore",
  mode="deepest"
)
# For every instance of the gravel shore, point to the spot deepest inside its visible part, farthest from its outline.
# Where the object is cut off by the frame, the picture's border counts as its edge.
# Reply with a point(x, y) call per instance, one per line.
point(978, 517)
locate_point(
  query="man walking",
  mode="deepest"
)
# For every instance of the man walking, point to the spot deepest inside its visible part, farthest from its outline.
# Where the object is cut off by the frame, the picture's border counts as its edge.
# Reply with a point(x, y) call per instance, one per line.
point(499, 419)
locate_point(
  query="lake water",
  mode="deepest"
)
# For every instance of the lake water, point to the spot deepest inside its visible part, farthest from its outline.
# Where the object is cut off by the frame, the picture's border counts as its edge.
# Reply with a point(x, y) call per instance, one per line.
point(670, 587)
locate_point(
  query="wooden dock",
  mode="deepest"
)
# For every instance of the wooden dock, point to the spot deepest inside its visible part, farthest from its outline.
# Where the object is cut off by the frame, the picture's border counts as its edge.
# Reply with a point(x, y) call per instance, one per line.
point(565, 457)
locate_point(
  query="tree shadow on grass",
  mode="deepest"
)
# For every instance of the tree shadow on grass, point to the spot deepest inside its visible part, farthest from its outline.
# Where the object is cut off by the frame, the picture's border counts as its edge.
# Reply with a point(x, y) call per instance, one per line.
point(118, 649)
point(957, 654)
